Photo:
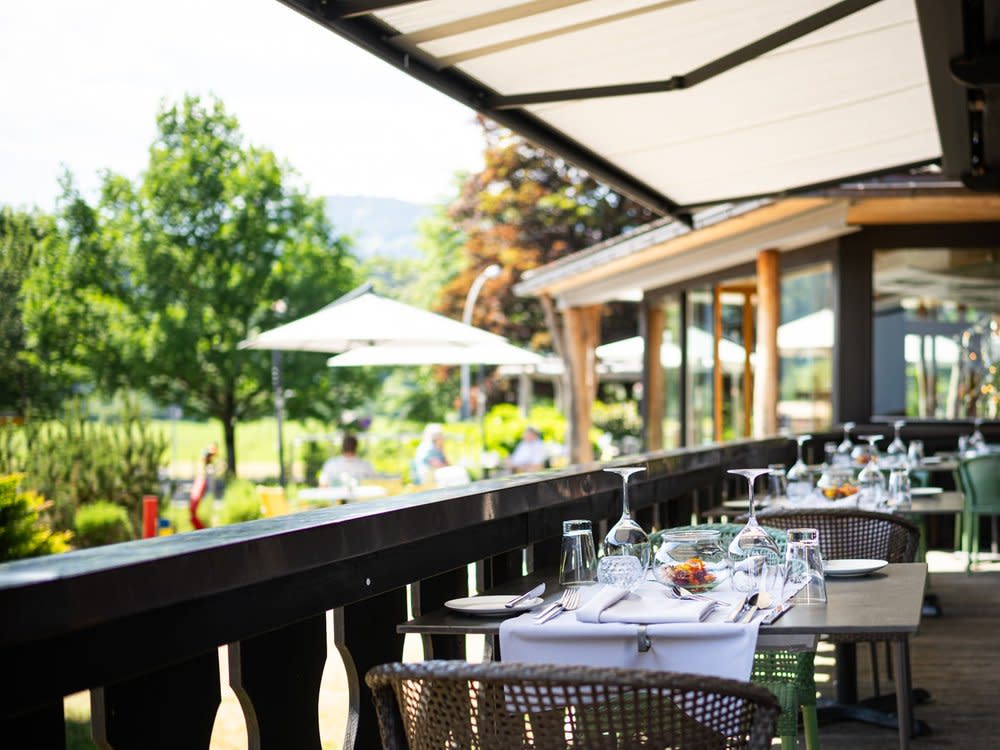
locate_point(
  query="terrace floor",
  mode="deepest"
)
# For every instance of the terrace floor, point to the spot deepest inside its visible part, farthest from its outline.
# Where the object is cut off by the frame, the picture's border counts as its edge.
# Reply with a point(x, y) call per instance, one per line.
point(955, 657)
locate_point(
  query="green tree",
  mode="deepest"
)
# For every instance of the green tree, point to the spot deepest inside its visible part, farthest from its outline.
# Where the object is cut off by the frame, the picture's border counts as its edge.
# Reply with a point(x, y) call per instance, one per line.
point(190, 259)
point(527, 208)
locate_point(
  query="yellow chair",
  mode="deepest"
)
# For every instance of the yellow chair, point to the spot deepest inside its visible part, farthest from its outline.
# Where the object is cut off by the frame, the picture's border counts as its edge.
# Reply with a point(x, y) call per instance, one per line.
point(272, 500)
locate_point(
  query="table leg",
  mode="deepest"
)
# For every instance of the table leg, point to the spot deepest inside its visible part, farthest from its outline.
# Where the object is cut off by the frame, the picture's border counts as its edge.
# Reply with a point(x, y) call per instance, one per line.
point(847, 673)
point(904, 696)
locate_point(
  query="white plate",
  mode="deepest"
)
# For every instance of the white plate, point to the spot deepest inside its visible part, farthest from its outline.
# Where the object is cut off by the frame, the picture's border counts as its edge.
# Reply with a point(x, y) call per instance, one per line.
point(490, 606)
point(847, 568)
point(929, 460)
point(923, 491)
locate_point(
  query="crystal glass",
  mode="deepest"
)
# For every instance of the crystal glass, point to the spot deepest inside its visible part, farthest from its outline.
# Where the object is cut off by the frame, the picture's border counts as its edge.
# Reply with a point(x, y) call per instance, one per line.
point(871, 480)
point(804, 565)
point(777, 483)
point(897, 448)
point(578, 560)
point(625, 539)
point(843, 455)
point(977, 442)
point(693, 559)
point(799, 478)
point(915, 453)
point(752, 549)
point(899, 487)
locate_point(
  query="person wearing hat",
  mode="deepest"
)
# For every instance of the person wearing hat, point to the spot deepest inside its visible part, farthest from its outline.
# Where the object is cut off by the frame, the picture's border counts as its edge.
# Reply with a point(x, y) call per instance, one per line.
point(530, 454)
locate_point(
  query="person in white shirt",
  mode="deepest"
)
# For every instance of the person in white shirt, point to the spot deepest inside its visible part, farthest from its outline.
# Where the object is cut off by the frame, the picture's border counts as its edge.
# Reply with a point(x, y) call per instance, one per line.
point(530, 454)
point(347, 463)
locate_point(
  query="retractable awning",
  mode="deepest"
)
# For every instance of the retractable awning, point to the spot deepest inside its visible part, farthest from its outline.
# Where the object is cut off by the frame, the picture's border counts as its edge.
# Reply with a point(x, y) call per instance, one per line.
point(677, 103)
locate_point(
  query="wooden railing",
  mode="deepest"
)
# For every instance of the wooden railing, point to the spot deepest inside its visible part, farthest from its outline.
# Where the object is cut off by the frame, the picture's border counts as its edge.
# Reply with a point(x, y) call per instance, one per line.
point(139, 624)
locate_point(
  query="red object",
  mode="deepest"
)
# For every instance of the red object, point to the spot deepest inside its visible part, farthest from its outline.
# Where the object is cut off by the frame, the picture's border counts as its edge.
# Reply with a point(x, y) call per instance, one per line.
point(150, 515)
point(197, 493)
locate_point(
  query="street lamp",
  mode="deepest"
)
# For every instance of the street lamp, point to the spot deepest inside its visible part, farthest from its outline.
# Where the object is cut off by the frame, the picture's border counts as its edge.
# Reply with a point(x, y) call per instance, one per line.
point(279, 307)
point(490, 272)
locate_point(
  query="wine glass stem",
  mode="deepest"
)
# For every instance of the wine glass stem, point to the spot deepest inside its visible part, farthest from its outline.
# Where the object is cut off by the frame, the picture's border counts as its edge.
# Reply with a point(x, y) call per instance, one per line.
point(800, 452)
point(626, 511)
point(753, 515)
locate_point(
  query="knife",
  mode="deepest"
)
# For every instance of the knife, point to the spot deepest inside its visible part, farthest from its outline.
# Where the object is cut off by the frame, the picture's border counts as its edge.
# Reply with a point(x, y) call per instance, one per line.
point(537, 591)
point(775, 613)
point(738, 610)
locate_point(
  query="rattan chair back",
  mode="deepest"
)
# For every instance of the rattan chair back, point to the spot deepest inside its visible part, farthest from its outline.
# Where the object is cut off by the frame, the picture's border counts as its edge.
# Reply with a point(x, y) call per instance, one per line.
point(848, 533)
point(452, 705)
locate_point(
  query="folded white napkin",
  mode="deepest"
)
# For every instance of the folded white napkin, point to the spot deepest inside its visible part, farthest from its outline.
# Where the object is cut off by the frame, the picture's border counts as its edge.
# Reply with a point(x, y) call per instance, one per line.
point(647, 605)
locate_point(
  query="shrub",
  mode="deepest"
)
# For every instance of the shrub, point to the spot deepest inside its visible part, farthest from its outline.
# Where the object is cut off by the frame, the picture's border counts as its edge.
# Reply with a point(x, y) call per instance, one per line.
point(75, 460)
point(314, 455)
point(101, 523)
point(24, 532)
point(240, 503)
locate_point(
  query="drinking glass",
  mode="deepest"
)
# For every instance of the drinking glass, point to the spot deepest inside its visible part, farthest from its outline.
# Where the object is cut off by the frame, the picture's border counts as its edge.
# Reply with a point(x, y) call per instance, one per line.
point(804, 566)
point(977, 442)
point(897, 448)
point(830, 453)
point(777, 485)
point(799, 478)
point(578, 561)
point(871, 480)
point(899, 487)
point(915, 454)
point(843, 455)
point(752, 549)
point(625, 539)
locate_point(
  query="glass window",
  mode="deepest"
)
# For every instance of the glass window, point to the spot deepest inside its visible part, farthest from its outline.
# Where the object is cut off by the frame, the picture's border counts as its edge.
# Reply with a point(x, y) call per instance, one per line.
point(699, 367)
point(936, 326)
point(670, 358)
point(805, 348)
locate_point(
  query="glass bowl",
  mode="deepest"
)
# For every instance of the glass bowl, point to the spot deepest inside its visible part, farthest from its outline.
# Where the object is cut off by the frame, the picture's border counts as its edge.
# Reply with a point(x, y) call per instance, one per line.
point(693, 559)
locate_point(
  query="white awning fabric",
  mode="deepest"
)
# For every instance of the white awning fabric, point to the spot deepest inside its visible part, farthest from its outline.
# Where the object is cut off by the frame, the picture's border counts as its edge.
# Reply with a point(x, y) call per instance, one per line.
point(847, 99)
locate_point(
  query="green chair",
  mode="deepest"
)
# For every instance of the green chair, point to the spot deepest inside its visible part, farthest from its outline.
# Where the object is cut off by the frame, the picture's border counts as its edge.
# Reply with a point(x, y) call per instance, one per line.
point(790, 675)
point(979, 478)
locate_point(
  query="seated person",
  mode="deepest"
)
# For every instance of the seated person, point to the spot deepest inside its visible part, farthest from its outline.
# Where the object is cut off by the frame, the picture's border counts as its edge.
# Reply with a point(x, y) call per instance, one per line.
point(346, 463)
point(430, 453)
point(530, 454)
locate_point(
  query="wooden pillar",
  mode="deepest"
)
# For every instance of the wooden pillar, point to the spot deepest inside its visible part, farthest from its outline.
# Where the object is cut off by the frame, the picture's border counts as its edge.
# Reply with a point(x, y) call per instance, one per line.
point(582, 337)
point(653, 388)
point(717, 364)
point(748, 345)
point(765, 401)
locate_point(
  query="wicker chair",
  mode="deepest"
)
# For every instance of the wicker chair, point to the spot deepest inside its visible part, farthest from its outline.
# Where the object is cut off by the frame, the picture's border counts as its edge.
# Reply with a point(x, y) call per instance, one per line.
point(452, 705)
point(846, 533)
point(790, 675)
point(979, 479)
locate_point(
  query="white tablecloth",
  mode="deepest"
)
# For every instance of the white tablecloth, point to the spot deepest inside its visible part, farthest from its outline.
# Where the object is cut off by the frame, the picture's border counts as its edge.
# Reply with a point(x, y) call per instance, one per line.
point(712, 647)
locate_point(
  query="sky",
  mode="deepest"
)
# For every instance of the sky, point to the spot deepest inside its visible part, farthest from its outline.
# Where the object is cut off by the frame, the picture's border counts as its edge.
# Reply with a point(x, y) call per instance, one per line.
point(81, 83)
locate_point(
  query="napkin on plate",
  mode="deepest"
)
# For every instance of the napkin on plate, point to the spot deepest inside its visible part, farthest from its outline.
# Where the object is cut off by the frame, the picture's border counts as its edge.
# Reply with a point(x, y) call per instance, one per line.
point(647, 605)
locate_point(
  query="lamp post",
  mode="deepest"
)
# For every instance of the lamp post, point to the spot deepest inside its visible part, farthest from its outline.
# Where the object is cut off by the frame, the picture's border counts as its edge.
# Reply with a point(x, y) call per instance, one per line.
point(279, 307)
point(490, 272)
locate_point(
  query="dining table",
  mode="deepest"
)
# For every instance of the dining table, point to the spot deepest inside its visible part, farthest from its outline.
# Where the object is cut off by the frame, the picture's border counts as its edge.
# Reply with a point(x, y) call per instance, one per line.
point(886, 602)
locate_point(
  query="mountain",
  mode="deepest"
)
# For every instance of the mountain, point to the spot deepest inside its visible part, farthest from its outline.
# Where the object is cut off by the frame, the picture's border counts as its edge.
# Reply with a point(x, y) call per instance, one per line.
point(381, 226)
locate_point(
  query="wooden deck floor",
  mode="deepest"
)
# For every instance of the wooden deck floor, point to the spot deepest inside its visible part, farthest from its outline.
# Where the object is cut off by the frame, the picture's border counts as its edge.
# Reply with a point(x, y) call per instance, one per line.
point(955, 657)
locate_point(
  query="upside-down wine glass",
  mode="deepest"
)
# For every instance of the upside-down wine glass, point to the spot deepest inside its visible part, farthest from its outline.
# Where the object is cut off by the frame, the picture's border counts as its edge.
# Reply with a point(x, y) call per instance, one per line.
point(897, 448)
point(843, 454)
point(625, 539)
point(799, 477)
point(871, 480)
point(752, 551)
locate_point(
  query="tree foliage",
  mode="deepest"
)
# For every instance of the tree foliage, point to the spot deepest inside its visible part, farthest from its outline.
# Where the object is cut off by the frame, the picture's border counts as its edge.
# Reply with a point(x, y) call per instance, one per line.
point(173, 270)
point(527, 208)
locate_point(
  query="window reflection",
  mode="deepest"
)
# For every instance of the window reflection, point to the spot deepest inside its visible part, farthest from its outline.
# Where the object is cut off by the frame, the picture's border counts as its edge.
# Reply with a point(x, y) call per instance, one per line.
point(936, 328)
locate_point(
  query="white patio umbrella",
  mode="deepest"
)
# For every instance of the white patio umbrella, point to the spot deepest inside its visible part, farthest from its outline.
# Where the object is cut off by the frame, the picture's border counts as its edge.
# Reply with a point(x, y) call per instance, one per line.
point(628, 352)
point(362, 319)
point(496, 353)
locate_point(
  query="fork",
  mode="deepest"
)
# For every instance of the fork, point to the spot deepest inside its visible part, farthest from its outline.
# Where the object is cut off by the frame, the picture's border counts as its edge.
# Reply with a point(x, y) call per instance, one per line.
point(569, 601)
point(682, 593)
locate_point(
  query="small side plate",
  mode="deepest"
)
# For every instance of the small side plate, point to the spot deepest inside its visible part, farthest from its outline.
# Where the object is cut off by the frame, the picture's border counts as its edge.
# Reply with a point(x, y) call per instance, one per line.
point(849, 568)
point(925, 491)
point(490, 606)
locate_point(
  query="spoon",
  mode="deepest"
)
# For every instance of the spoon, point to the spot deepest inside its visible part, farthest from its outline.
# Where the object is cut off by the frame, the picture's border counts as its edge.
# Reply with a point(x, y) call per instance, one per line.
point(760, 600)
